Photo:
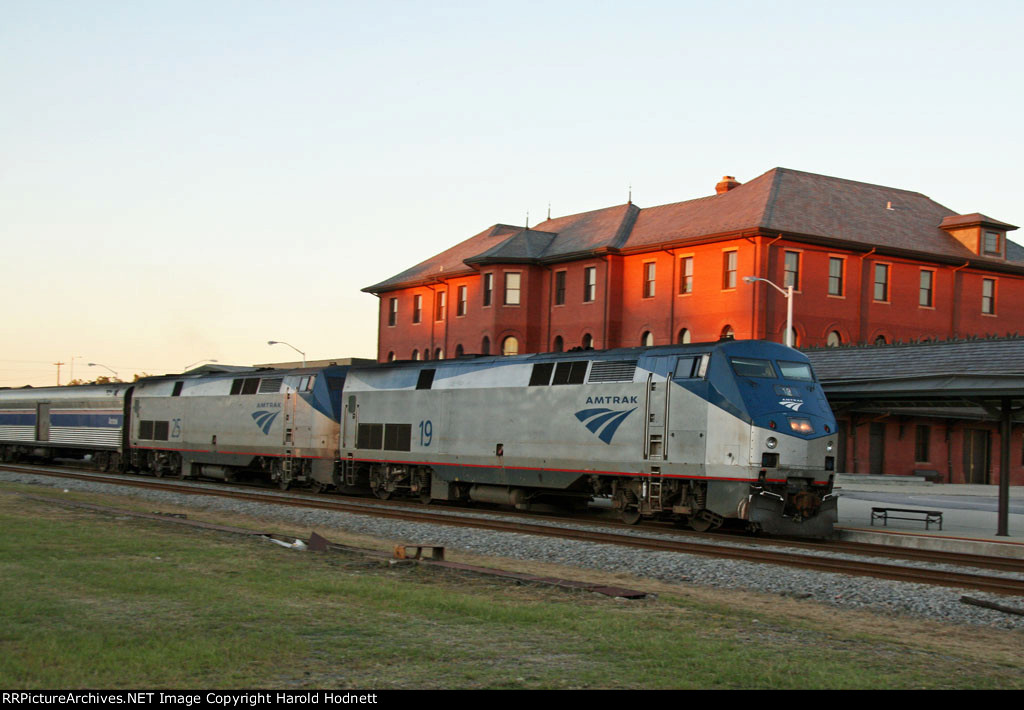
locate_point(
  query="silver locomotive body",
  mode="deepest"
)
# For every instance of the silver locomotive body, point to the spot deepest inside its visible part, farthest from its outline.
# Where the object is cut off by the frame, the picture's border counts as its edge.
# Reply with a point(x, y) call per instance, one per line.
point(671, 431)
point(67, 422)
point(276, 424)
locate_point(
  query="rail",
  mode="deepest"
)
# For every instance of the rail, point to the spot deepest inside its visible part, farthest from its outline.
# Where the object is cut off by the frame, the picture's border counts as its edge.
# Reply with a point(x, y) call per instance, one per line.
point(756, 554)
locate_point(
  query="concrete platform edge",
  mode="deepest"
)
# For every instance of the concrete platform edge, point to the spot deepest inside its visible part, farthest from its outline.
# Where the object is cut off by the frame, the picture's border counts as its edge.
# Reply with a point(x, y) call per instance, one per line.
point(921, 541)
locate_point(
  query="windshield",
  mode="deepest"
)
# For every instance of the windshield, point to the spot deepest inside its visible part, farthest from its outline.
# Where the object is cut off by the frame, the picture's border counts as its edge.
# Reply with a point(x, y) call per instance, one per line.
point(749, 367)
point(796, 371)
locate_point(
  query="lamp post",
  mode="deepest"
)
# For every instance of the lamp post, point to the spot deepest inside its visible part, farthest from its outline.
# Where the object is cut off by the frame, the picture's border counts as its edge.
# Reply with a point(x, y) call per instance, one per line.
point(788, 293)
point(281, 342)
point(97, 364)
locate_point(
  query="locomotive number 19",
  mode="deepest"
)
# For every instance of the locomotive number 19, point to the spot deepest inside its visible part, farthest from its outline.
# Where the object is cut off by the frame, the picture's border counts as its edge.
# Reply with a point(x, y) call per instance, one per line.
point(426, 432)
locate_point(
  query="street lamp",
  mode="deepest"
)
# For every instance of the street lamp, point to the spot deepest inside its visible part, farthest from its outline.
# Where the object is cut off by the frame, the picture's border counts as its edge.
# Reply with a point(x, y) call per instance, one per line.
point(97, 364)
point(281, 342)
point(189, 367)
point(788, 293)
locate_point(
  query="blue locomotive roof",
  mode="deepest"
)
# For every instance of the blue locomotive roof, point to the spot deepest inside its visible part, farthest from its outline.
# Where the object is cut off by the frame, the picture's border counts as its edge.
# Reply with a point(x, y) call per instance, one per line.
point(774, 387)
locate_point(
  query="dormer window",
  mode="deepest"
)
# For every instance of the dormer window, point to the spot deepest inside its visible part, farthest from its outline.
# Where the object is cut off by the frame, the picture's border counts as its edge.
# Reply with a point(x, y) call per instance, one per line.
point(982, 235)
point(992, 244)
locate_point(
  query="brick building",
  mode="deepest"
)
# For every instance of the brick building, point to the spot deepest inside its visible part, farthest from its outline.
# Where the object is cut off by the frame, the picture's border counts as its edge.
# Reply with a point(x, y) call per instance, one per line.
point(869, 264)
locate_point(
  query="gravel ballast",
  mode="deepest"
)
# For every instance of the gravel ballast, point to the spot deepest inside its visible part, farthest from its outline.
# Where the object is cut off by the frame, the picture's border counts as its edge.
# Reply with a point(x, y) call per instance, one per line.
point(936, 603)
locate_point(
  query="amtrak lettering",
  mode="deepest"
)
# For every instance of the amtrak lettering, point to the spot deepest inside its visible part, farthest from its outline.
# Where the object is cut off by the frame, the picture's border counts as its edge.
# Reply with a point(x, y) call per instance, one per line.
point(612, 400)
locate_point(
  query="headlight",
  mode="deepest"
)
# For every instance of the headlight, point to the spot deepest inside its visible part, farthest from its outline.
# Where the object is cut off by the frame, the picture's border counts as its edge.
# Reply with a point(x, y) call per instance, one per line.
point(771, 442)
point(829, 446)
point(801, 425)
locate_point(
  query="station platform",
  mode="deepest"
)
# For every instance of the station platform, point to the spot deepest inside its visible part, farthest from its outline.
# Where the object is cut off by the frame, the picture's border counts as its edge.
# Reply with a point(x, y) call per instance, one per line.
point(969, 515)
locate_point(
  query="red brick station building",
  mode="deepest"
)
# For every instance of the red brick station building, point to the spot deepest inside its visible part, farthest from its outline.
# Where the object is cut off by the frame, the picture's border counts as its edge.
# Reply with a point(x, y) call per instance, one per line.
point(869, 265)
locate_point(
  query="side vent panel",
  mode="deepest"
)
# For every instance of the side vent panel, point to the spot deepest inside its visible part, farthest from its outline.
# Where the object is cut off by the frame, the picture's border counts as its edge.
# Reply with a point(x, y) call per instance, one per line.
point(612, 371)
point(270, 385)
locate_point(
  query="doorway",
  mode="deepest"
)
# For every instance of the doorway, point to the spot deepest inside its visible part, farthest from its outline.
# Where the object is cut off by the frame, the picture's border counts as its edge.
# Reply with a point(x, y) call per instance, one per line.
point(876, 448)
point(977, 455)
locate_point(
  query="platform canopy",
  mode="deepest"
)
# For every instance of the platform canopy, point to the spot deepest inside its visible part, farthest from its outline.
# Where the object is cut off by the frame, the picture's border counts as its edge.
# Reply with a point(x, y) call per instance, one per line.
point(969, 376)
point(981, 379)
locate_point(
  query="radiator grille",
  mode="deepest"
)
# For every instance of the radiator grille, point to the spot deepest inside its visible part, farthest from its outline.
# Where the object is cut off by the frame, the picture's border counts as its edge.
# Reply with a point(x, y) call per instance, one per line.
point(612, 371)
point(270, 385)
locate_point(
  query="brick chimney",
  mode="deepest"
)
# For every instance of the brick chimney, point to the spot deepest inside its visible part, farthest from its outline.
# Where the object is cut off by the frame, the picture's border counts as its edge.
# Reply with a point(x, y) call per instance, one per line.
point(727, 183)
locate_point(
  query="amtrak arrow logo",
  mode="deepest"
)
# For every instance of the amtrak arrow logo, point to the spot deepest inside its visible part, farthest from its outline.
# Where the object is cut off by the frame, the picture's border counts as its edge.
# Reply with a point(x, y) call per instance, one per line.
point(605, 420)
point(795, 406)
point(264, 419)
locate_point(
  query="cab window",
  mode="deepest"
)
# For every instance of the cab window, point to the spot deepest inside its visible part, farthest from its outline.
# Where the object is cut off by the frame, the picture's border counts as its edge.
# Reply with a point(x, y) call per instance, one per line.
point(749, 367)
point(796, 371)
point(692, 367)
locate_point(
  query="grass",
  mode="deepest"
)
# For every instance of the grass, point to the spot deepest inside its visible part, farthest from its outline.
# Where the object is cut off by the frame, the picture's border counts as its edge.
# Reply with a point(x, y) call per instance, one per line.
point(98, 601)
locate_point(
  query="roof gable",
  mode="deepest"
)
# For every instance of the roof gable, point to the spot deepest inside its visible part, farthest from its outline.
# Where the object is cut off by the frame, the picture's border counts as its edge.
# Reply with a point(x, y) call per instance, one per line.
point(449, 262)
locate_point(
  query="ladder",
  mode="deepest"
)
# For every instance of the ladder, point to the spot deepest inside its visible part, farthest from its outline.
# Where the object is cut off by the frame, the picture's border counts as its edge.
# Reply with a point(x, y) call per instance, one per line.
point(348, 471)
point(654, 489)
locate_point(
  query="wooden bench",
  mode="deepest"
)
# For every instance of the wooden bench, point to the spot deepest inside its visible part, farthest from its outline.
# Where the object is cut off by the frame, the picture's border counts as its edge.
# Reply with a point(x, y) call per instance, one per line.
point(886, 514)
point(928, 474)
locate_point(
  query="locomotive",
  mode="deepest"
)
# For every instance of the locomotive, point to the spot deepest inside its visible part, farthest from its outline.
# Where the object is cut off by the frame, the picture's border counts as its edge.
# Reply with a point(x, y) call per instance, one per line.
point(220, 423)
point(281, 425)
point(700, 433)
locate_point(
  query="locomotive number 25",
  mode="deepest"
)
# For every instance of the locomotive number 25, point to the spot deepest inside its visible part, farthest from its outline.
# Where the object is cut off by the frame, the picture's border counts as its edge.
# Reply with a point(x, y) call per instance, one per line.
point(426, 432)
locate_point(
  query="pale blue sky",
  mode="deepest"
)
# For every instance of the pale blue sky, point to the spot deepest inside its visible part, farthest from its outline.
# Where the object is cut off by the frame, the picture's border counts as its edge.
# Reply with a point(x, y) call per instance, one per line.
point(188, 180)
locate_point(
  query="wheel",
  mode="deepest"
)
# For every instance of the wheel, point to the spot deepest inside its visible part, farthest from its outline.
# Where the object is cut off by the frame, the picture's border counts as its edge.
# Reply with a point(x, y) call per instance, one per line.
point(630, 516)
point(705, 520)
point(425, 496)
point(382, 493)
point(700, 524)
point(284, 484)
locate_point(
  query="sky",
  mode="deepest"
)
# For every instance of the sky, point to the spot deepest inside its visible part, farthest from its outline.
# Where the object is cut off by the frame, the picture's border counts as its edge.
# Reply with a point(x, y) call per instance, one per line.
point(184, 181)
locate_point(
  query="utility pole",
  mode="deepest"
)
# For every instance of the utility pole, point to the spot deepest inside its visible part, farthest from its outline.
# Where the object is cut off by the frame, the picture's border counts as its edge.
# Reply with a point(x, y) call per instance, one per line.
point(58, 364)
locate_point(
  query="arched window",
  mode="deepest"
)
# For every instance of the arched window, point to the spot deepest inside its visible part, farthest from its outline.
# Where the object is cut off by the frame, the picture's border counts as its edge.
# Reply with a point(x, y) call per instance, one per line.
point(485, 346)
point(647, 339)
point(458, 350)
point(796, 338)
point(391, 357)
point(588, 341)
point(834, 339)
point(439, 354)
point(426, 353)
point(415, 354)
point(684, 337)
point(559, 345)
point(510, 346)
point(727, 333)
point(880, 340)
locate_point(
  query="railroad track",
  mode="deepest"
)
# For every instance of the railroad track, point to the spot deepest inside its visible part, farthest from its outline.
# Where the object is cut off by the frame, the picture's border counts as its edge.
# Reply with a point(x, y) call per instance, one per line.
point(754, 552)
